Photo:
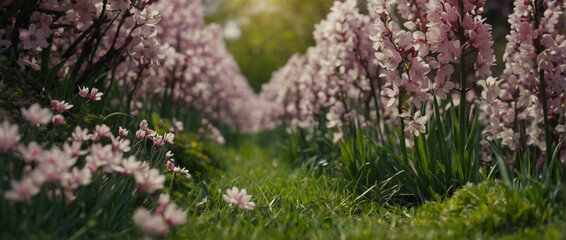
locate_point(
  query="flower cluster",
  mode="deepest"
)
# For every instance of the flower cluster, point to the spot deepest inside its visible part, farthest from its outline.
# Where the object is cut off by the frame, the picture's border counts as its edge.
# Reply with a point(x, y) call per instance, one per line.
point(65, 168)
point(338, 73)
point(516, 104)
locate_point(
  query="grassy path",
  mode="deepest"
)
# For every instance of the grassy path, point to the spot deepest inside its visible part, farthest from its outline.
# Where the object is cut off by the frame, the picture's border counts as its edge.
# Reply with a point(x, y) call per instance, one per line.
point(292, 203)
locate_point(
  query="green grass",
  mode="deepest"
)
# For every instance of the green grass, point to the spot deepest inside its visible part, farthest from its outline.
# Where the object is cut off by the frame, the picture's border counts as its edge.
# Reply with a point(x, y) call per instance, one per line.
point(293, 203)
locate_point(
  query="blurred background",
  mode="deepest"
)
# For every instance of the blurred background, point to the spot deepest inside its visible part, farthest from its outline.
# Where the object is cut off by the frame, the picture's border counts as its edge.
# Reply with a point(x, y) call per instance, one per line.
point(263, 34)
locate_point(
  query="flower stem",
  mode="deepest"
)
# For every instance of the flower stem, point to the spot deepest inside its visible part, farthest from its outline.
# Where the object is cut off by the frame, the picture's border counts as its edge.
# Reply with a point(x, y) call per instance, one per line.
point(462, 117)
point(547, 132)
point(402, 134)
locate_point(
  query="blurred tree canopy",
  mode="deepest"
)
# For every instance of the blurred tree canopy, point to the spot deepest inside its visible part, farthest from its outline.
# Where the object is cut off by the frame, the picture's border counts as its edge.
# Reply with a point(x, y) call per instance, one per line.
point(263, 34)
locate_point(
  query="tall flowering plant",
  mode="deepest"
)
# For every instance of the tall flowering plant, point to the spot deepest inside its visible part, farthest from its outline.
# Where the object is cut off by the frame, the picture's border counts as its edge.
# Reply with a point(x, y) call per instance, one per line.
point(525, 105)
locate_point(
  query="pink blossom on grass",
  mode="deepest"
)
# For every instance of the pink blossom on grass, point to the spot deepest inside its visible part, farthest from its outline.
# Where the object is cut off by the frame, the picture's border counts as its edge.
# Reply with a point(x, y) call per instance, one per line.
point(239, 198)
point(9, 136)
point(37, 115)
point(151, 224)
point(173, 215)
point(101, 131)
point(80, 135)
point(22, 190)
point(150, 181)
point(30, 153)
point(120, 145)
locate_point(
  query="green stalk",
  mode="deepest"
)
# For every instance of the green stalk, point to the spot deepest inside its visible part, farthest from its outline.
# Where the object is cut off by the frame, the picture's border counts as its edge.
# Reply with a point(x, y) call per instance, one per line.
point(463, 120)
point(402, 135)
point(547, 133)
point(539, 48)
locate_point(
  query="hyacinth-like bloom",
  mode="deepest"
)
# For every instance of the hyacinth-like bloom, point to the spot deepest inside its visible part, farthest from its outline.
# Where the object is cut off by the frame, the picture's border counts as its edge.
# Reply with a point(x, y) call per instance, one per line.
point(239, 198)
point(166, 43)
point(432, 39)
point(535, 52)
point(338, 73)
point(9, 136)
point(36, 115)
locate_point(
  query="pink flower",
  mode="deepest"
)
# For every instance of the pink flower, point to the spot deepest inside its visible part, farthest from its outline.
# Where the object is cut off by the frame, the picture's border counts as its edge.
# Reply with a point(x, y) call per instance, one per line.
point(162, 203)
point(140, 134)
point(417, 125)
point(176, 126)
point(74, 149)
point(143, 125)
point(148, 16)
point(37, 115)
point(31, 152)
point(60, 106)
point(23, 190)
point(169, 154)
point(170, 164)
point(120, 145)
point(80, 135)
point(388, 59)
point(169, 137)
point(101, 131)
point(83, 92)
point(238, 198)
point(122, 132)
point(150, 181)
point(173, 215)
point(57, 120)
point(9, 136)
point(34, 37)
point(95, 95)
point(151, 224)
point(181, 171)
point(76, 178)
point(443, 87)
point(158, 141)
point(33, 64)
